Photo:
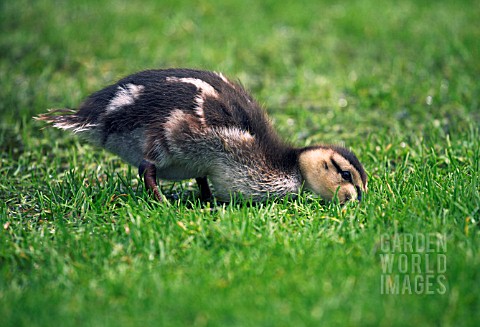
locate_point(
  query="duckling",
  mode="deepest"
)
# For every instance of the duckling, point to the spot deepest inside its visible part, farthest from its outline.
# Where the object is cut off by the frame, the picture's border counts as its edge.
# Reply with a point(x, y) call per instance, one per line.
point(177, 124)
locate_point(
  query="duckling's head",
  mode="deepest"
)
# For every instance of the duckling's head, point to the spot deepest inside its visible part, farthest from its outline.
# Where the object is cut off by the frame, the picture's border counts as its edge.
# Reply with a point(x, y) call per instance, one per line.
point(331, 171)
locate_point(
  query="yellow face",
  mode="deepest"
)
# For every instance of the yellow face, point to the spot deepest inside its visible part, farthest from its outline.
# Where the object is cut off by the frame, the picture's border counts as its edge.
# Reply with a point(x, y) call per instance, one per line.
point(329, 174)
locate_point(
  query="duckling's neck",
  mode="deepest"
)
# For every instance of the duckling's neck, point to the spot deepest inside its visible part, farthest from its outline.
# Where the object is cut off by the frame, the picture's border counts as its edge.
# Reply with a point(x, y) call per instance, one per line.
point(259, 176)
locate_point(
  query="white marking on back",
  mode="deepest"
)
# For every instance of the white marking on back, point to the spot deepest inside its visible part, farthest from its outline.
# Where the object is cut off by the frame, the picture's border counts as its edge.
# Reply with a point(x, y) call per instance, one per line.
point(199, 108)
point(125, 96)
point(175, 119)
point(234, 135)
point(206, 90)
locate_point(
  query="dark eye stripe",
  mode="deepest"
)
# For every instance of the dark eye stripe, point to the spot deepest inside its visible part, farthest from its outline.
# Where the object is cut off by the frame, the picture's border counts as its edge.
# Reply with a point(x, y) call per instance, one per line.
point(337, 167)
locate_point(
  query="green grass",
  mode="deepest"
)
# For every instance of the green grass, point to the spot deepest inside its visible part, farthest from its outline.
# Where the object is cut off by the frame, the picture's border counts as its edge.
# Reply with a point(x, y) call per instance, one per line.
point(82, 244)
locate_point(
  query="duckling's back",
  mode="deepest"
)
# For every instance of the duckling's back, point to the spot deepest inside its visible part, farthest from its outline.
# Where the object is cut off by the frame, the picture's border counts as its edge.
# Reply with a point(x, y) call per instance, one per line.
point(148, 99)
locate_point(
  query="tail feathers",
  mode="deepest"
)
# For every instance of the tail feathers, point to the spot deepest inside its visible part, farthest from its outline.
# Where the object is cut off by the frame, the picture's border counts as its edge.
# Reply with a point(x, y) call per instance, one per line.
point(66, 119)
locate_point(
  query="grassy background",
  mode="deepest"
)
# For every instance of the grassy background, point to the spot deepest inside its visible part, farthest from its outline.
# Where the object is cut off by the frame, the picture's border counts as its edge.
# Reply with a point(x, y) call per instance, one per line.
point(82, 244)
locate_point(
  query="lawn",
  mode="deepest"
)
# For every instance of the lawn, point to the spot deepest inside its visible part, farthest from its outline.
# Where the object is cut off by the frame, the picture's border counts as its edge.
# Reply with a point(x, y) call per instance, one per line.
point(83, 244)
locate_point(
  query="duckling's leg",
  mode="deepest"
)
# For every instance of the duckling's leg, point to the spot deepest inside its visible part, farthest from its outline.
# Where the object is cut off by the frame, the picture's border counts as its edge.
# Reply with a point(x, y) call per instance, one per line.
point(148, 171)
point(205, 193)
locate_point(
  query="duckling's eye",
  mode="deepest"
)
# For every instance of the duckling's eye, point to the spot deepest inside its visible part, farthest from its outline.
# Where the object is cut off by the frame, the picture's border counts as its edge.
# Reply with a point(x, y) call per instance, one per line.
point(346, 175)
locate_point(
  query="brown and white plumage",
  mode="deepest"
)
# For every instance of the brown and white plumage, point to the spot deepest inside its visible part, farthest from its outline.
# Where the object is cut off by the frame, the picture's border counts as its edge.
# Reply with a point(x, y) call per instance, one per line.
point(177, 124)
